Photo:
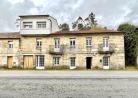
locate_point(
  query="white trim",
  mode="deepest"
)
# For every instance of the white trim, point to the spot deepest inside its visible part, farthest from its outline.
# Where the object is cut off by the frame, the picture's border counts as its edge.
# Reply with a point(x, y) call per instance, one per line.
point(74, 67)
point(105, 67)
point(38, 67)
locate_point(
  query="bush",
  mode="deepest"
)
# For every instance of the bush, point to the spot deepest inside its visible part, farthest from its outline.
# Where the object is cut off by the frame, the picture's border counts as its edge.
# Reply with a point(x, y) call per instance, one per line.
point(97, 68)
point(57, 67)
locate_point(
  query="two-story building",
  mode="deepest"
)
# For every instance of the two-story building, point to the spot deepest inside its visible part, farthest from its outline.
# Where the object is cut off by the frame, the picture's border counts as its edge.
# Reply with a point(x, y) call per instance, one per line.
point(40, 45)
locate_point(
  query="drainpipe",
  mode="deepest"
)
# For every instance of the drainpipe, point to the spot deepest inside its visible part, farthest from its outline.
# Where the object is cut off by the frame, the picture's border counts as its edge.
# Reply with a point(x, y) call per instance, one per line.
point(50, 25)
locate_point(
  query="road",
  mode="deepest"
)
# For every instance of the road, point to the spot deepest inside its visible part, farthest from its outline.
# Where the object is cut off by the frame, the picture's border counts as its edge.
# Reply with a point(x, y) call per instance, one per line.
point(19, 84)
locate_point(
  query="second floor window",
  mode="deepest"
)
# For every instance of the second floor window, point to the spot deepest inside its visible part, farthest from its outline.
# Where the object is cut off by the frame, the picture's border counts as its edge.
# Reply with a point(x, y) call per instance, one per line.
point(105, 42)
point(57, 42)
point(27, 25)
point(38, 43)
point(41, 24)
point(10, 44)
point(88, 42)
point(72, 43)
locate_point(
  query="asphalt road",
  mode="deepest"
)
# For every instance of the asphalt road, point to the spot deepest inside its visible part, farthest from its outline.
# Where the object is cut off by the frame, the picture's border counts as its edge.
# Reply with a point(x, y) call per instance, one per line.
point(68, 88)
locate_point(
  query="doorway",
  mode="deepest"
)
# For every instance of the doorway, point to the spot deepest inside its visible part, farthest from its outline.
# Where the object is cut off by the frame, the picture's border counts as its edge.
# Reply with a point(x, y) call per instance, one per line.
point(88, 62)
point(10, 61)
point(106, 62)
point(28, 61)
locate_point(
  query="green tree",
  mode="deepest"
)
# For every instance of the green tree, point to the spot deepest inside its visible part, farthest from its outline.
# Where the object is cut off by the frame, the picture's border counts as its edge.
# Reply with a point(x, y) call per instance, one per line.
point(137, 44)
point(64, 27)
point(130, 37)
point(80, 27)
point(89, 23)
point(74, 25)
point(91, 17)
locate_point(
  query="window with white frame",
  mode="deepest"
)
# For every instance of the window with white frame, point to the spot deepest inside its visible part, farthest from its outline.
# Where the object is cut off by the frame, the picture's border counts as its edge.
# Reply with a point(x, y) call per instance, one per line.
point(105, 42)
point(72, 61)
point(40, 60)
point(105, 61)
point(72, 43)
point(88, 42)
point(27, 25)
point(10, 44)
point(57, 42)
point(41, 24)
point(38, 43)
point(56, 60)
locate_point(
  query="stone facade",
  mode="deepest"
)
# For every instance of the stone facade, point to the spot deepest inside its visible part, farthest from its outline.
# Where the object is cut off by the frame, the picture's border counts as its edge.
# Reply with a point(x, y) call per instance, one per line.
point(26, 46)
point(7, 51)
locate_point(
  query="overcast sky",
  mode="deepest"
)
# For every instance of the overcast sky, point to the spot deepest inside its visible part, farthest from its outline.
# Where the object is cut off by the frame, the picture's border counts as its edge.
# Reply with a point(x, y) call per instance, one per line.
point(109, 13)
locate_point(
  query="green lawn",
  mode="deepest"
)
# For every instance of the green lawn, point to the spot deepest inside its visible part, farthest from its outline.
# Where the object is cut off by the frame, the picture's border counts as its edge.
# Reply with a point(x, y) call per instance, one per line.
point(131, 68)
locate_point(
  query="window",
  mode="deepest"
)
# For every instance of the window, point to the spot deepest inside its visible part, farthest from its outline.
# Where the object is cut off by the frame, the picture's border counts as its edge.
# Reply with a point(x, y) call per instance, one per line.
point(38, 43)
point(56, 60)
point(72, 43)
point(10, 44)
point(72, 61)
point(40, 60)
point(41, 24)
point(88, 42)
point(27, 25)
point(57, 42)
point(105, 42)
point(105, 61)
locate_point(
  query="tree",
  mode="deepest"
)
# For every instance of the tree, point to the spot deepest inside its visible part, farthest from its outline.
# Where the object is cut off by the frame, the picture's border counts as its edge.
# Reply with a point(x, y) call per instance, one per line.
point(137, 44)
point(130, 37)
point(64, 27)
point(91, 17)
point(85, 24)
point(80, 27)
point(74, 25)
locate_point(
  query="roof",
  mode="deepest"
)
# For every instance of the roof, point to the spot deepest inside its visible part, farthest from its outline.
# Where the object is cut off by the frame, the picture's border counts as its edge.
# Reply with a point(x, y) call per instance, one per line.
point(34, 16)
point(104, 31)
point(11, 35)
point(16, 35)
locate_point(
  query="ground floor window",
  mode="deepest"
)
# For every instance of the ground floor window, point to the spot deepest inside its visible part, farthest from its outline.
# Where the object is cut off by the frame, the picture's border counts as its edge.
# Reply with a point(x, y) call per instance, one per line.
point(40, 60)
point(72, 61)
point(105, 61)
point(56, 60)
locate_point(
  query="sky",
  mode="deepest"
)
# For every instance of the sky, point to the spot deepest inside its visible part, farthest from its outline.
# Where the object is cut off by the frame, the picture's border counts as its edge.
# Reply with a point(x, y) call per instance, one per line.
point(109, 13)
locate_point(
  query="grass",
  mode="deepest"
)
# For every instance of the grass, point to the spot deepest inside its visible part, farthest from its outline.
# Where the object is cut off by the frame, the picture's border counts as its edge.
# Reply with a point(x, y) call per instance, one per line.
point(131, 68)
point(66, 68)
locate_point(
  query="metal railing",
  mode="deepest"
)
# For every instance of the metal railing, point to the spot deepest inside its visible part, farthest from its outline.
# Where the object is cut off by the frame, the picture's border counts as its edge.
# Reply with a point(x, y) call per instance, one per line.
point(56, 50)
point(109, 49)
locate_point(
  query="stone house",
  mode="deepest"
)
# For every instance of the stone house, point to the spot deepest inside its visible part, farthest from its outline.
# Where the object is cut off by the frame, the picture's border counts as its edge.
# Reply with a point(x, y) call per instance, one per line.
point(40, 45)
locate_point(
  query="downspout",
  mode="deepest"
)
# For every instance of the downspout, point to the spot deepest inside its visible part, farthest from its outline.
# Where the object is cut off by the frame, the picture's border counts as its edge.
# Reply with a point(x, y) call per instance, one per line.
point(50, 25)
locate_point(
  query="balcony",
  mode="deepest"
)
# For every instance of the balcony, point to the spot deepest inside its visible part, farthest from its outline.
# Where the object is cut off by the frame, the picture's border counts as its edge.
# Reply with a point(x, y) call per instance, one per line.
point(56, 50)
point(105, 50)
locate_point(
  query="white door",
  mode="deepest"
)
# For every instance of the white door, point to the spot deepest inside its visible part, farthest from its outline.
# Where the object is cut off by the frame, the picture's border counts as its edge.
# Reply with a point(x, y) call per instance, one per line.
point(106, 62)
point(40, 62)
point(105, 44)
point(57, 44)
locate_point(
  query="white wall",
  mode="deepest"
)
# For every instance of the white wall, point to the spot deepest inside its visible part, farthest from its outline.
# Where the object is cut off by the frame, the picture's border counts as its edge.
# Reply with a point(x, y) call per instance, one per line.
point(35, 30)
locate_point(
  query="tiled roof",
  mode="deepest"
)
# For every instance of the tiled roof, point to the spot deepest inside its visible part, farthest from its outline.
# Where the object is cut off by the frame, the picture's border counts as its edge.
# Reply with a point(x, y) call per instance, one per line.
point(104, 31)
point(11, 35)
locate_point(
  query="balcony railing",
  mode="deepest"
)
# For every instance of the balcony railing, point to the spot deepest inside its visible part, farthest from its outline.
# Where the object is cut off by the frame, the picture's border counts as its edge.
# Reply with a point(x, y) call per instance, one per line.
point(110, 49)
point(56, 50)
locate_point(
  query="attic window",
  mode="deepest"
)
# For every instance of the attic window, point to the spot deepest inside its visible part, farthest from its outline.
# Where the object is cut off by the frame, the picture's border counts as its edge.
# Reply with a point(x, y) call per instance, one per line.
point(27, 25)
point(41, 24)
